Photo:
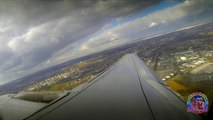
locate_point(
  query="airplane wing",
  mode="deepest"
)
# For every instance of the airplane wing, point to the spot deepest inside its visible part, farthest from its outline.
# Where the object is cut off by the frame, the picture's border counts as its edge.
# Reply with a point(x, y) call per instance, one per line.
point(127, 91)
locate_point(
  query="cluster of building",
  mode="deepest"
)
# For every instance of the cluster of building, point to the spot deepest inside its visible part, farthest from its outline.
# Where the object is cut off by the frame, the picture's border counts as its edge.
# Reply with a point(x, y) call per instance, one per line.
point(188, 60)
point(49, 81)
point(181, 62)
point(76, 73)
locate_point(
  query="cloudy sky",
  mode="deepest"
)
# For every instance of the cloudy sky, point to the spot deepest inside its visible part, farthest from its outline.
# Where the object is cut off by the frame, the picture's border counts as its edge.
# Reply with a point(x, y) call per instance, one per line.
point(36, 34)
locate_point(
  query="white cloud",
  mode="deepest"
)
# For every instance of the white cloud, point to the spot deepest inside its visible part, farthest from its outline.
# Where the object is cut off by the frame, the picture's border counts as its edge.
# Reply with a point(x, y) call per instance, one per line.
point(84, 47)
point(1, 82)
point(152, 24)
point(34, 38)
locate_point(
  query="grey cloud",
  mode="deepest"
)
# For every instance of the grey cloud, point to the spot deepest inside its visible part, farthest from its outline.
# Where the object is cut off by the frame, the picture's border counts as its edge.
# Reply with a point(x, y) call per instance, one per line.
point(33, 31)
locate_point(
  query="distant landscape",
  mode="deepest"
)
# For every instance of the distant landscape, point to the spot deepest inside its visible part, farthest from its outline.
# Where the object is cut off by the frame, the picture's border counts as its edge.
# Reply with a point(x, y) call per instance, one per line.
point(182, 59)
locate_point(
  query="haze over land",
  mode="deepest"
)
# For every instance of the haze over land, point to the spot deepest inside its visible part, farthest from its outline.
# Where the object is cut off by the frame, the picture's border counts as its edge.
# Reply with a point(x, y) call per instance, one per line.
point(37, 34)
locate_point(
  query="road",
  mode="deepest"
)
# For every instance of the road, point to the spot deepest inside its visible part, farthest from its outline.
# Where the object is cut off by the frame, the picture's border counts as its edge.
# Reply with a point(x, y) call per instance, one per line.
point(127, 91)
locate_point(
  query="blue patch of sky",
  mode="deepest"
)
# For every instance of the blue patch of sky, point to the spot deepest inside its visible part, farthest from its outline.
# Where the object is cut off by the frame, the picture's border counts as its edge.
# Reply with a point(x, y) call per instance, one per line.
point(162, 5)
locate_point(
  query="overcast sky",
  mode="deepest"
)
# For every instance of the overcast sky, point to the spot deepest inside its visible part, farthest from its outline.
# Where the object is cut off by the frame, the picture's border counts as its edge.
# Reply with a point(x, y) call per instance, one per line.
point(35, 34)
